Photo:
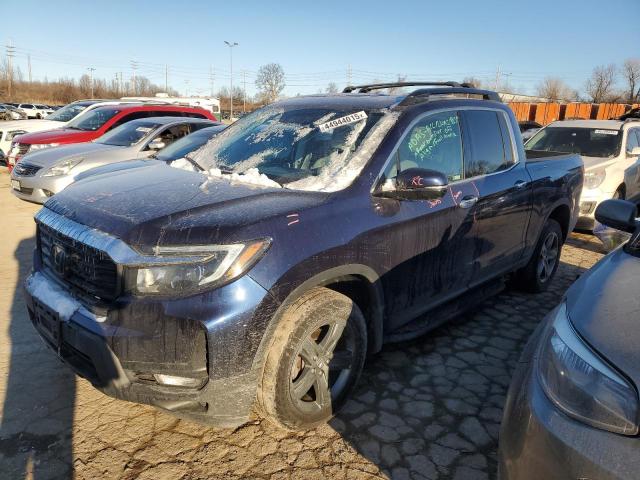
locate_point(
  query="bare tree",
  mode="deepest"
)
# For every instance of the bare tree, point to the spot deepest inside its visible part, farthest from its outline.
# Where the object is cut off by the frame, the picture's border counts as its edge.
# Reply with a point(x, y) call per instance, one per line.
point(631, 74)
point(270, 81)
point(555, 88)
point(473, 81)
point(332, 88)
point(600, 85)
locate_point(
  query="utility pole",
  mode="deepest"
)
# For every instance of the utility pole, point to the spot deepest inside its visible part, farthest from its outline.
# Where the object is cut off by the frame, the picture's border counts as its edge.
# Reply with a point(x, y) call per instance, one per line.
point(211, 78)
point(166, 78)
point(11, 51)
point(134, 67)
point(231, 45)
point(91, 70)
point(186, 82)
point(349, 74)
point(244, 91)
point(29, 65)
point(498, 73)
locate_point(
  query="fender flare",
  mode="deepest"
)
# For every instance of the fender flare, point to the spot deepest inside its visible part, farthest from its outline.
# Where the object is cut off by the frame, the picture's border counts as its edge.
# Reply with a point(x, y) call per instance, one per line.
point(375, 321)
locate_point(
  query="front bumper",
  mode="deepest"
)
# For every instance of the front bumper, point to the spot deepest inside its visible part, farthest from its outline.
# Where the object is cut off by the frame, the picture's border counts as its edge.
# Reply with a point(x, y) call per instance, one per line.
point(538, 441)
point(589, 201)
point(38, 189)
point(212, 336)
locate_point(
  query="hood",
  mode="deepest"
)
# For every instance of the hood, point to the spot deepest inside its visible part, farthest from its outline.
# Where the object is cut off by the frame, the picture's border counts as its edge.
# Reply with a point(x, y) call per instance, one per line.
point(32, 125)
point(59, 135)
point(49, 156)
point(591, 163)
point(160, 205)
point(604, 307)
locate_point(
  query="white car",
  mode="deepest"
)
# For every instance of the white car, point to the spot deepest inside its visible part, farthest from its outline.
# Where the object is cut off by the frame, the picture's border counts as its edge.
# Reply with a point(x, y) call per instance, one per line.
point(58, 119)
point(632, 174)
point(35, 110)
point(608, 148)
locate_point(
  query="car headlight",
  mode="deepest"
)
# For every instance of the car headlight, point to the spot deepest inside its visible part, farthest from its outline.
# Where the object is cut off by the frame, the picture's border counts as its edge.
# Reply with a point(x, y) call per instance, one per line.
point(583, 385)
point(42, 146)
point(594, 179)
point(62, 168)
point(206, 267)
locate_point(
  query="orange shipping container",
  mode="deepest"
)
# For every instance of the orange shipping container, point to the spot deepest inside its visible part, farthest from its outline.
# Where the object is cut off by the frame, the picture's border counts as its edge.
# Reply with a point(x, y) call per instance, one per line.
point(547, 112)
point(578, 110)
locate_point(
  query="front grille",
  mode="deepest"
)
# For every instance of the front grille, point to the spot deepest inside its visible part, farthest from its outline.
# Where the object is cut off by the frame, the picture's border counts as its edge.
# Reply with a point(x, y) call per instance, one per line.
point(84, 269)
point(26, 169)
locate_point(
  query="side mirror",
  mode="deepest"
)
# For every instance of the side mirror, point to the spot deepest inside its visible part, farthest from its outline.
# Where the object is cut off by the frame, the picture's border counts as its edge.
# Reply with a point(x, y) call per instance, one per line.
point(635, 152)
point(418, 184)
point(618, 214)
point(156, 144)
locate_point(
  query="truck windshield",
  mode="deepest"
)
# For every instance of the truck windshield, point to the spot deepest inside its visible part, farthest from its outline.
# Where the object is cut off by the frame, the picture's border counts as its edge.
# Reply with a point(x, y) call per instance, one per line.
point(67, 112)
point(186, 145)
point(300, 147)
point(589, 142)
point(94, 119)
point(128, 134)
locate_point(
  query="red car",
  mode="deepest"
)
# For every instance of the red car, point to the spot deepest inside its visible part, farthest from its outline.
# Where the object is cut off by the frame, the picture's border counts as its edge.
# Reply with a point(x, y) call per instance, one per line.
point(95, 123)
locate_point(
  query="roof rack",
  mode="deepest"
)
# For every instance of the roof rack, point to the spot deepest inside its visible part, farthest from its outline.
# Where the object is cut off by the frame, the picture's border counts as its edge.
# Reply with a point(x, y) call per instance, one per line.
point(423, 93)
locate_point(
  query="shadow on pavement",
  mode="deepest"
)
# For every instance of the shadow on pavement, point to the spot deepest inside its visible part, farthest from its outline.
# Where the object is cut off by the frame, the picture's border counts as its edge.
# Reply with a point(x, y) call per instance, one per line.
point(37, 414)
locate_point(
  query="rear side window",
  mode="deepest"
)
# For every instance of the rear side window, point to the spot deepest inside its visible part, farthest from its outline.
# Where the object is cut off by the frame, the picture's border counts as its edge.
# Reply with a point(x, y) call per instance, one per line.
point(487, 143)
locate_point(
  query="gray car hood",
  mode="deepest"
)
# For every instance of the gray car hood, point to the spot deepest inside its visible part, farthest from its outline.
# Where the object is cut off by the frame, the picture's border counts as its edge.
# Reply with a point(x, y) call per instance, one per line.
point(604, 307)
point(50, 156)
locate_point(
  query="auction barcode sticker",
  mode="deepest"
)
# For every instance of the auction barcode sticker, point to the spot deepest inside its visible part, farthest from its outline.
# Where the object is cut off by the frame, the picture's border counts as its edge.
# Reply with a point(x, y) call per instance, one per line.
point(338, 122)
point(607, 132)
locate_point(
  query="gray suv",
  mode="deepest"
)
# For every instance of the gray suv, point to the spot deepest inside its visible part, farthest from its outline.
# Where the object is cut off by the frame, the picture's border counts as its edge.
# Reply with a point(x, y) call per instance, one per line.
point(573, 410)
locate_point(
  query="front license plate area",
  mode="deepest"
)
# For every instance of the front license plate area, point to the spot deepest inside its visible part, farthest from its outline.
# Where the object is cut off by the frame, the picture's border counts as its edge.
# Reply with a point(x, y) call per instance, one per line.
point(15, 184)
point(47, 322)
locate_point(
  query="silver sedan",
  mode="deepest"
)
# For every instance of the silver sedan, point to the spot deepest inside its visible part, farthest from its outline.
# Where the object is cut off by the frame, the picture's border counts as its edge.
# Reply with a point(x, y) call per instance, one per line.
point(41, 174)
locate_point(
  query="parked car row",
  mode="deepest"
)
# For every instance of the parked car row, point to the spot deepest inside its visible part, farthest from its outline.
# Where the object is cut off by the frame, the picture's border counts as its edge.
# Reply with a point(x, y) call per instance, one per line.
point(219, 273)
point(33, 110)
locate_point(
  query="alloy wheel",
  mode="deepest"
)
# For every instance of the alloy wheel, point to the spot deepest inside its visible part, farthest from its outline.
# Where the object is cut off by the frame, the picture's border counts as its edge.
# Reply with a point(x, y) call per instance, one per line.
point(548, 256)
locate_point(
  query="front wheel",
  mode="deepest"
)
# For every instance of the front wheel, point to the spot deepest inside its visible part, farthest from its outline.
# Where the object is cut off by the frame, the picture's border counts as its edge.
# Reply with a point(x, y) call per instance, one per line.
point(539, 272)
point(314, 361)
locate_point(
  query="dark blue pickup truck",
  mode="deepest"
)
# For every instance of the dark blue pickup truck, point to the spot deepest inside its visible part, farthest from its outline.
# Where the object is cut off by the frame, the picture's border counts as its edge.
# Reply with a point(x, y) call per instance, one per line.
point(256, 278)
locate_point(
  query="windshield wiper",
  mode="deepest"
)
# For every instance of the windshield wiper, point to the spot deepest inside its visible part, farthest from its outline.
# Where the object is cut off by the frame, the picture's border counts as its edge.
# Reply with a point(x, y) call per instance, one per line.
point(194, 163)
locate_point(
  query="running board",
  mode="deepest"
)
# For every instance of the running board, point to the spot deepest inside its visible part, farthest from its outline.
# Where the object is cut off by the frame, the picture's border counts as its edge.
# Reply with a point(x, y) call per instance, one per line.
point(443, 313)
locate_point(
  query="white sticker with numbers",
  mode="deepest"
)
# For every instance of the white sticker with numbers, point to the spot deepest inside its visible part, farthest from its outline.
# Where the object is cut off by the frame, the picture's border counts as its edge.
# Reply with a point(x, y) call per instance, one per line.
point(606, 132)
point(339, 122)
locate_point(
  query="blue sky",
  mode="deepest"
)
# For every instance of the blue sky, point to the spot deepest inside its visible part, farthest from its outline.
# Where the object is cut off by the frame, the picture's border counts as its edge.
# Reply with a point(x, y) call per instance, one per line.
point(316, 42)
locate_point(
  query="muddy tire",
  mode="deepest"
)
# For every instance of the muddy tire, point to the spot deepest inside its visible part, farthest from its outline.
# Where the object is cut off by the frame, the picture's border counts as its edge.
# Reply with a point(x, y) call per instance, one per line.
point(537, 275)
point(314, 360)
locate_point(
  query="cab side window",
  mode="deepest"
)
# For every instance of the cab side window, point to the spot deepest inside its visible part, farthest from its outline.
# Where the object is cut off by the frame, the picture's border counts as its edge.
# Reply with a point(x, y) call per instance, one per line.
point(434, 143)
point(490, 143)
point(633, 140)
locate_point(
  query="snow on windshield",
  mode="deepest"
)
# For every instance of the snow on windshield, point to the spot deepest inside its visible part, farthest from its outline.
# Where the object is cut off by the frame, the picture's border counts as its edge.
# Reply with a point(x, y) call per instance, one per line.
point(302, 148)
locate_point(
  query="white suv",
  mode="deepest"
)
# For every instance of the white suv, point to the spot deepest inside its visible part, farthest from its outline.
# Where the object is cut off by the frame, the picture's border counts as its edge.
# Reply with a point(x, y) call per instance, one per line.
point(35, 110)
point(607, 147)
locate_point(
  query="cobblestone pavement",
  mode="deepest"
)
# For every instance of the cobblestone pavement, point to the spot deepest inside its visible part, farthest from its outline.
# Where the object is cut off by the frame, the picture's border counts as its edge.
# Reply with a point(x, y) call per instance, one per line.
point(429, 408)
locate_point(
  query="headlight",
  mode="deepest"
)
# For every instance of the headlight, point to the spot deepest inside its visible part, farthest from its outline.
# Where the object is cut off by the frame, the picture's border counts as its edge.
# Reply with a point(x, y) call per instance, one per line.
point(594, 179)
point(211, 266)
point(42, 146)
point(581, 384)
point(62, 168)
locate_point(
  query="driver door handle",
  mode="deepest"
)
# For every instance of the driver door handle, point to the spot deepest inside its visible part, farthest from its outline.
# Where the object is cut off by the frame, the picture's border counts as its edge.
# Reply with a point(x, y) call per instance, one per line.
point(468, 201)
point(520, 184)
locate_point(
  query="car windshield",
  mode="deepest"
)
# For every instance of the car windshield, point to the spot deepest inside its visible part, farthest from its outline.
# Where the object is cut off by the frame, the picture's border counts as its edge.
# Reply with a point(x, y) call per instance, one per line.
point(186, 145)
point(589, 142)
point(128, 134)
point(300, 147)
point(67, 112)
point(94, 119)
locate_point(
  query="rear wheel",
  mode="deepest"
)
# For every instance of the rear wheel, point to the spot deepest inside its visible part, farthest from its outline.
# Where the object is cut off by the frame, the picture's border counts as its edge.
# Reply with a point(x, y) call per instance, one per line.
point(539, 272)
point(315, 360)
point(620, 193)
